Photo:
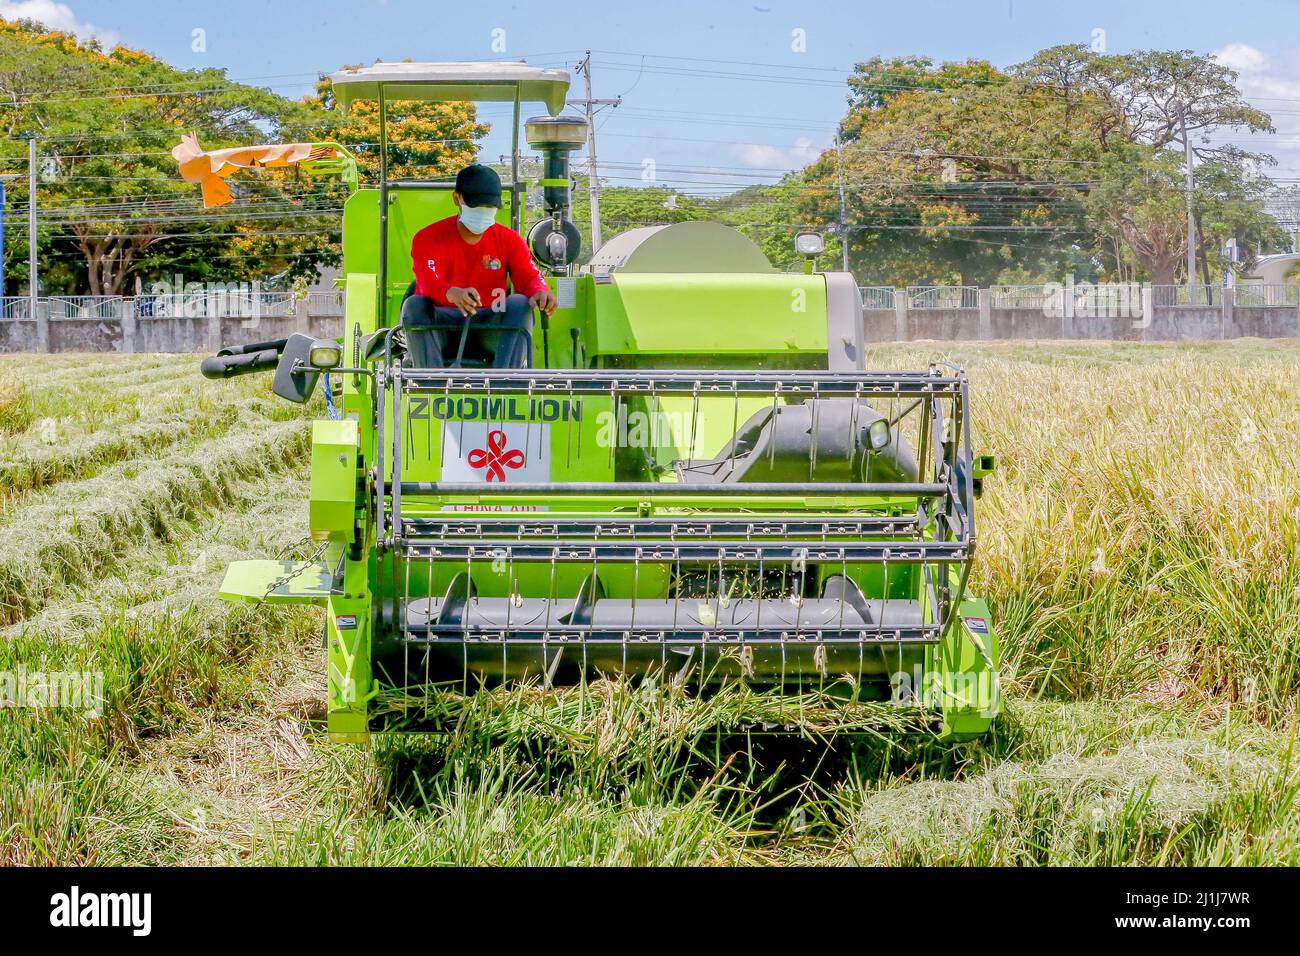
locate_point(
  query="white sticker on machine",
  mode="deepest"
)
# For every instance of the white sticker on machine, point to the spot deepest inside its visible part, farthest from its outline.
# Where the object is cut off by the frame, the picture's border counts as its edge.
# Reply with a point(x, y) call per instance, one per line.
point(496, 451)
point(566, 292)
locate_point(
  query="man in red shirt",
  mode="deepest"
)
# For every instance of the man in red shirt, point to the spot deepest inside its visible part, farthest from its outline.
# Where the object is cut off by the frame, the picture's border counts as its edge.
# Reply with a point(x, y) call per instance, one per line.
point(461, 264)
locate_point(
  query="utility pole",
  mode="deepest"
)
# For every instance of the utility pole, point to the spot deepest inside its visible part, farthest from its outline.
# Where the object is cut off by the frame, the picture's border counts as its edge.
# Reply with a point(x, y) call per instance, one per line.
point(1191, 215)
point(42, 328)
point(4, 178)
point(839, 173)
point(593, 182)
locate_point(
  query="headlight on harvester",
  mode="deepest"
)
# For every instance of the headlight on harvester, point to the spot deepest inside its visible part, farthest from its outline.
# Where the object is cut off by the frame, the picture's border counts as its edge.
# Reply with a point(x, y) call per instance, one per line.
point(325, 354)
point(878, 435)
point(809, 244)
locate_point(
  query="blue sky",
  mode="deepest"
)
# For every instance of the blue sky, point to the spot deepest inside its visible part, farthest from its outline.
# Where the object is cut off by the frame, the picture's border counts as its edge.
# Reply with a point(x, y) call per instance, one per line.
point(703, 120)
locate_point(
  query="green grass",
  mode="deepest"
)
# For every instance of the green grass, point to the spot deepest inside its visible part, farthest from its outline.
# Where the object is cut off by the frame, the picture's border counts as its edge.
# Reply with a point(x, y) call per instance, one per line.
point(15, 406)
point(1139, 545)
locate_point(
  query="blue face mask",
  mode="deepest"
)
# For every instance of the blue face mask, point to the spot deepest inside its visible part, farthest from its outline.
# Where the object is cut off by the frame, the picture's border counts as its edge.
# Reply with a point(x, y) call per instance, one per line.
point(477, 219)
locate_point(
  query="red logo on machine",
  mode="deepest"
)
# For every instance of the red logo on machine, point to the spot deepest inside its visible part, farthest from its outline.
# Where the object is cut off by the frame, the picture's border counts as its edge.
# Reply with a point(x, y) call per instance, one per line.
point(495, 456)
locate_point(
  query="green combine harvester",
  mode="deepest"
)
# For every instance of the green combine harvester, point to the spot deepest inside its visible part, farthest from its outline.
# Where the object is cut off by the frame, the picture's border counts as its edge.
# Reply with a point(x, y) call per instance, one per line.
point(696, 477)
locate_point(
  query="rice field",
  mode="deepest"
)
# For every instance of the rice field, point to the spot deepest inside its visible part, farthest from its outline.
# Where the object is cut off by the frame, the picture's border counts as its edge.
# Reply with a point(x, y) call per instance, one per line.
point(1139, 544)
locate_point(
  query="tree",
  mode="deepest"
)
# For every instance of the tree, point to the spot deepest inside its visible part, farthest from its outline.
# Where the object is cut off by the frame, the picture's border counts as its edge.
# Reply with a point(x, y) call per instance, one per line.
point(629, 207)
point(1233, 202)
point(768, 215)
point(112, 204)
point(951, 173)
point(425, 140)
point(960, 172)
point(1138, 201)
point(1161, 99)
point(1149, 95)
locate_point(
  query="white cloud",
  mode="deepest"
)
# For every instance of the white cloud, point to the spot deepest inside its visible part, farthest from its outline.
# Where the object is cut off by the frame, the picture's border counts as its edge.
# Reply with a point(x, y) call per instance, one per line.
point(1271, 82)
point(56, 16)
point(761, 156)
point(1260, 74)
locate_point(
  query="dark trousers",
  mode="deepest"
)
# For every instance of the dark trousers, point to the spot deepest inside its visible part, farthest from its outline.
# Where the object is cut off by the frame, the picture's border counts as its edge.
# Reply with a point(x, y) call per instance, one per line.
point(433, 331)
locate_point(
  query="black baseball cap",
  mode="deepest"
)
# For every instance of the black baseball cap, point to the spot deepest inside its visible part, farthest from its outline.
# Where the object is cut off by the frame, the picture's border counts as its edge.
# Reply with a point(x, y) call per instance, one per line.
point(479, 185)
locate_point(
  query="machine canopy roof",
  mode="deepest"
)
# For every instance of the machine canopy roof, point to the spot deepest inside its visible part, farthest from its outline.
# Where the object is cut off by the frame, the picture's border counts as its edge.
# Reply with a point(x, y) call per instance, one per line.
point(443, 82)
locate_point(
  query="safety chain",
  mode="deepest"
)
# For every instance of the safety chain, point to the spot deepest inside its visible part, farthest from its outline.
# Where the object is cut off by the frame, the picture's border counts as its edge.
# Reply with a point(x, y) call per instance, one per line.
point(303, 566)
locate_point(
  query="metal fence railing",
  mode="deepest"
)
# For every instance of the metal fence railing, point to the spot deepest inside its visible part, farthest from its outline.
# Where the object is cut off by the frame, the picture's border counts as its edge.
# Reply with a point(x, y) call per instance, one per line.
point(15, 307)
point(877, 296)
point(1163, 296)
point(235, 304)
point(1264, 294)
point(325, 303)
point(198, 305)
point(1019, 296)
point(943, 297)
point(85, 306)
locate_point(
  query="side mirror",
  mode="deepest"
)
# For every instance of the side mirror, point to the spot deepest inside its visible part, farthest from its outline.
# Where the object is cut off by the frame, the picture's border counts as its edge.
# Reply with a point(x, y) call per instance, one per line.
point(301, 363)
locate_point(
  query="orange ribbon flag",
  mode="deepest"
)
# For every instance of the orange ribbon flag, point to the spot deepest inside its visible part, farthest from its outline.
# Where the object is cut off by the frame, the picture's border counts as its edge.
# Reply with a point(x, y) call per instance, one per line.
point(210, 169)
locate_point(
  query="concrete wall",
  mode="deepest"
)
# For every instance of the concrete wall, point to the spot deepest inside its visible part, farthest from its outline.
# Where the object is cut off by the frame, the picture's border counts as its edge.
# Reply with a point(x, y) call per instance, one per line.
point(942, 324)
point(1157, 323)
point(66, 335)
point(1266, 321)
point(1183, 322)
point(1024, 324)
point(161, 334)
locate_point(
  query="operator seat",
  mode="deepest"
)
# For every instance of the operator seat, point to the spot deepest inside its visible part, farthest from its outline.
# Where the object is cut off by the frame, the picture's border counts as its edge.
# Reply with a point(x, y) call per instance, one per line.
point(471, 345)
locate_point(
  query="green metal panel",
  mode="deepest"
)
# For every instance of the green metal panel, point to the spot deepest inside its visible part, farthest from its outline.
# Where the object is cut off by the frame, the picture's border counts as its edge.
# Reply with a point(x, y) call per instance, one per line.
point(348, 626)
point(961, 673)
point(359, 320)
point(710, 314)
point(688, 435)
point(332, 511)
point(276, 582)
